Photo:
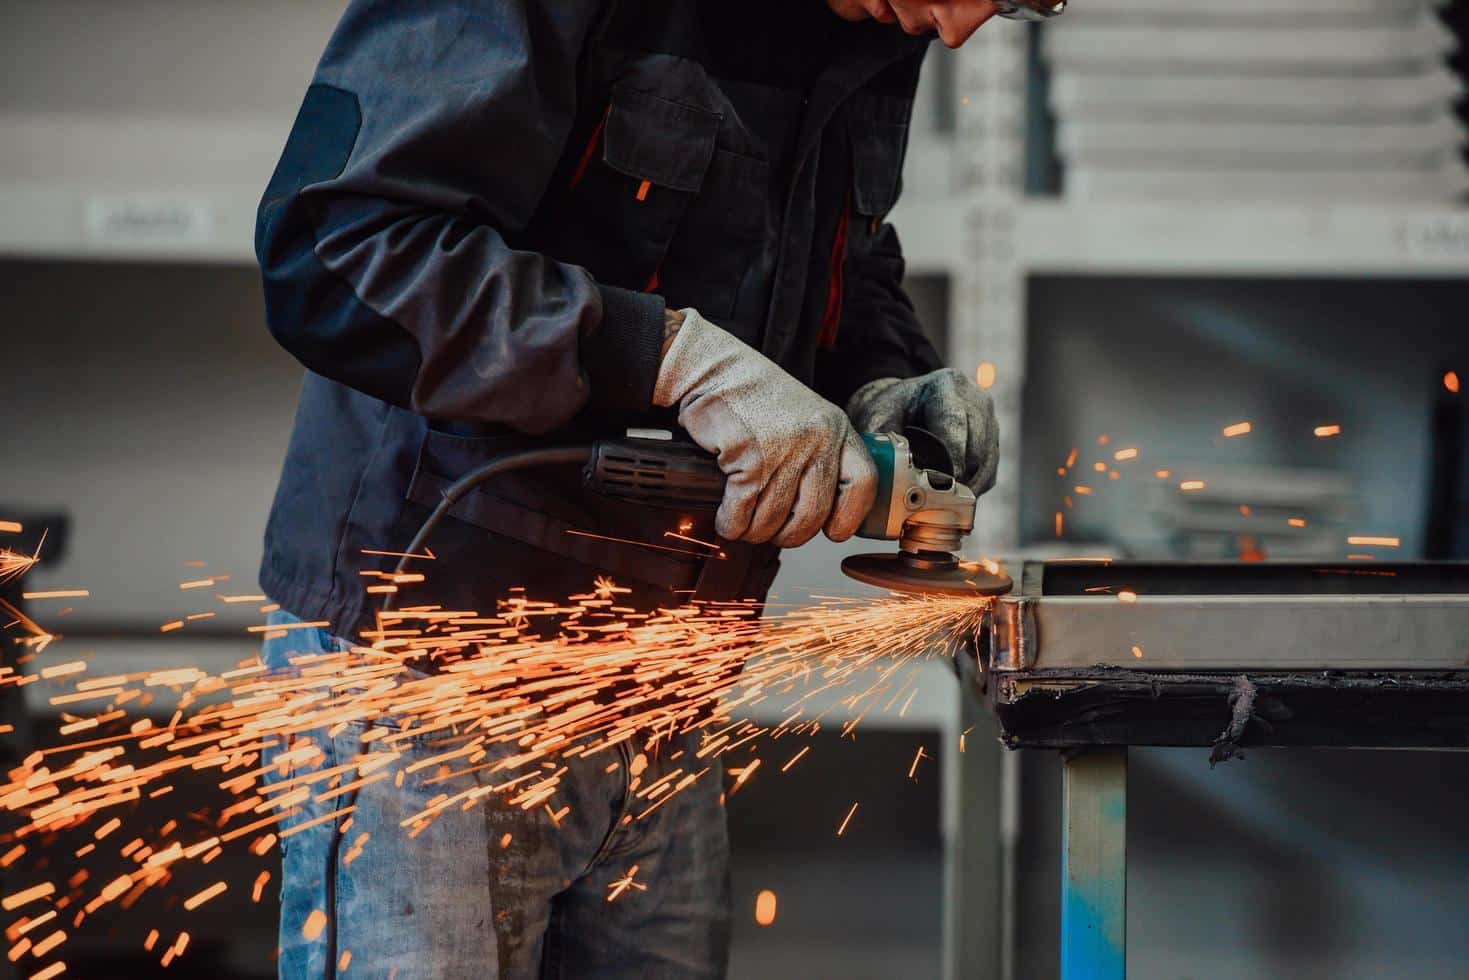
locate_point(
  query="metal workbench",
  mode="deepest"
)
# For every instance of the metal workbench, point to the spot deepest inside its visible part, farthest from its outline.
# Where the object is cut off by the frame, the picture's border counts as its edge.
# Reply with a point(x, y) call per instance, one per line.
point(1091, 657)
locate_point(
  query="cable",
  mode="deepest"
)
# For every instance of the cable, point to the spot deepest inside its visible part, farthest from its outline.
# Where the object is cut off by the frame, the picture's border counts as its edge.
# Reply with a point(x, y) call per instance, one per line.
point(472, 479)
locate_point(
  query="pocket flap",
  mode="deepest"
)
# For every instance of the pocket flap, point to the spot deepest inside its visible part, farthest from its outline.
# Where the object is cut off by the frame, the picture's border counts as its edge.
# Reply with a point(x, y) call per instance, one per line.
point(653, 139)
point(877, 162)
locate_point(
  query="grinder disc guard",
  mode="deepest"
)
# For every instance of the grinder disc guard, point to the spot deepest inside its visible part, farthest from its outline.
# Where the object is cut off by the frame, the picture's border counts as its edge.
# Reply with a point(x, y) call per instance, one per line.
point(933, 574)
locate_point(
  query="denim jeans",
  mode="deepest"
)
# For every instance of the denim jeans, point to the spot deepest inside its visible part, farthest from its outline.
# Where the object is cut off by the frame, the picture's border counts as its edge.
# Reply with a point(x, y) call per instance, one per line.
point(497, 891)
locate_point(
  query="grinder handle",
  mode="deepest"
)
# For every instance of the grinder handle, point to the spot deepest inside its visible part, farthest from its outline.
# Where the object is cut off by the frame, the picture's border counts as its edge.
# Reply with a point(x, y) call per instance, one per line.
point(672, 474)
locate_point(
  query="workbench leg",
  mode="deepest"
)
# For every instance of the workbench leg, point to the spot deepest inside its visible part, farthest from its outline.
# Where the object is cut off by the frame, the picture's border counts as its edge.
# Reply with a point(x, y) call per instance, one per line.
point(1094, 866)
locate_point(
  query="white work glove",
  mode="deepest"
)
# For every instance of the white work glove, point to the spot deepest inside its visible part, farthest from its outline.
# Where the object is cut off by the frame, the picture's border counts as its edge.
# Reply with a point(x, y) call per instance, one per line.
point(791, 460)
point(947, 404)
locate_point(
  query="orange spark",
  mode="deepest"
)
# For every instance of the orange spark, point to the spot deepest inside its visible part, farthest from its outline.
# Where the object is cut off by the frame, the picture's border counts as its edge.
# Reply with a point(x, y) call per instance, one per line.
point(1189, 485)
point(317, 624)
point(315, 923)
point(10, 527)
point(846, 820)
point(1327, 431)
point(765, 907)
point(1451, 382)
point(795, 758)
point(1296, 521)
point(616, 888)
point(57, 594)
point(427, 554)
point(1123, 455)
point(1237, 429)
point(633, 541)
point(1370, 541)
point(12, 902)
point(684, 537)
point(985, 375)
point(218, 888)
point(46, 945)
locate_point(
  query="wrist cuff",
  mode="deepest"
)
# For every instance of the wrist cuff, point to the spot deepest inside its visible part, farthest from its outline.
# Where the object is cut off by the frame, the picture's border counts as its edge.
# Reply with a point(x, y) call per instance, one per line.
point(620, 357)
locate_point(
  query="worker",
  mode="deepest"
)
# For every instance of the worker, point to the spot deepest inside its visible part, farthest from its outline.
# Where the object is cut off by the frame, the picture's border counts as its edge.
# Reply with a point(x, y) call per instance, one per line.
point(502, 224)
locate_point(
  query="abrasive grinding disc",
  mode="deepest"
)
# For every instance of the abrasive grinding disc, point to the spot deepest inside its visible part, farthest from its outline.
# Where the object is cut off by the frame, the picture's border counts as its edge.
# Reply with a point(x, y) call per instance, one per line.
point(901, 572)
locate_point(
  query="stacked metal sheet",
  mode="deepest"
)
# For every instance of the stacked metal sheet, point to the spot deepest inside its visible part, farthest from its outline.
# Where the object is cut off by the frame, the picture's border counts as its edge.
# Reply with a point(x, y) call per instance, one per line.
point(1326, 100)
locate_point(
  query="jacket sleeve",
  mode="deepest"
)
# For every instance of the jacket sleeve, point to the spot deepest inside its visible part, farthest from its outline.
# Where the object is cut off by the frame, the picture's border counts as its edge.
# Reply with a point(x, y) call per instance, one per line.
point(429, 132)
point(879, 335)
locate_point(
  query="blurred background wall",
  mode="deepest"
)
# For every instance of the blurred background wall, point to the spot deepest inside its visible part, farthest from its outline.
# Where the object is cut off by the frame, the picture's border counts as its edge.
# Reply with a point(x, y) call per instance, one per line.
point(1080, 234)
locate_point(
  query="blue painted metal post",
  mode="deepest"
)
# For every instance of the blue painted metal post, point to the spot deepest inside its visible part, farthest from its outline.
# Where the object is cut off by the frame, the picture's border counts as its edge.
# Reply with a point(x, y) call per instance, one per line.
point(1094, 866)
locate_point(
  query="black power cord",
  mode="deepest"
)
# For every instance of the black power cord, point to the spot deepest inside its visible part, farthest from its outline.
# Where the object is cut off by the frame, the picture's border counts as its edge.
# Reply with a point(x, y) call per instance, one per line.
point(526, 459)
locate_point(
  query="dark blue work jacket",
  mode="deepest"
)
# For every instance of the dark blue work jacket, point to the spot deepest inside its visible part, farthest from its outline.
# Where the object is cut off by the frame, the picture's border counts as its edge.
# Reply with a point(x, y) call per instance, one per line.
point(481, 213)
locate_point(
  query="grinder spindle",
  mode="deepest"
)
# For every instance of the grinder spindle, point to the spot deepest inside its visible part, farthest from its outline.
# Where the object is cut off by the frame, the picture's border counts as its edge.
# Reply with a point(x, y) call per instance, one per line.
point(929, 512)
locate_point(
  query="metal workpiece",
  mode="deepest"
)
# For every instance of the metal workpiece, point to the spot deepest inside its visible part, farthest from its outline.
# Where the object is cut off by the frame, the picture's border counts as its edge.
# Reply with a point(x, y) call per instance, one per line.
point(1234, 633)
point(1226, 655)
point(1011, 635)
point(1092, 657)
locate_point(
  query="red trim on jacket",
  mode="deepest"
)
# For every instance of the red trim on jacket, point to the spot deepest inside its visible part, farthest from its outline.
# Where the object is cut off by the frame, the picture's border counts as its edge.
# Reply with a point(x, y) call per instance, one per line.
point(831, 320)
point(591, 151)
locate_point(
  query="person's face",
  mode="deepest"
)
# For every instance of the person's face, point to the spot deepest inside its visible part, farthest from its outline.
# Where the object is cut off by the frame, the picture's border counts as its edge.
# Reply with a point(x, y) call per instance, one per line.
point(953, 20)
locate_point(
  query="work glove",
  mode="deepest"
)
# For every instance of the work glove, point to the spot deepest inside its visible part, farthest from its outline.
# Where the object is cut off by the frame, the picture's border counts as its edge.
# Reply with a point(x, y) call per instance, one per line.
point(947, 404)
point(791, 460)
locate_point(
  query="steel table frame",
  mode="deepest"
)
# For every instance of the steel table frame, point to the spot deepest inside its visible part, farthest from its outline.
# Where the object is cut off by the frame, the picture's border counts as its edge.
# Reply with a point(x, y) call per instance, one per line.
point(1129, 633)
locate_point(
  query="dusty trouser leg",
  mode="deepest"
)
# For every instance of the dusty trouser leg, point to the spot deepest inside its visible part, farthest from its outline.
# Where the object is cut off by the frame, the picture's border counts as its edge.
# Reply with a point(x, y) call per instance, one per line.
point(671, 917)
point(357, 893)
point(307, 853)
point(470, 894)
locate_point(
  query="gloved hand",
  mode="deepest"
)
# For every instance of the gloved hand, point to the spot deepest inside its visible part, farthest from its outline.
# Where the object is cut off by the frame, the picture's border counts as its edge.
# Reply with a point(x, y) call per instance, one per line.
point(944, 402)
point(791, 460)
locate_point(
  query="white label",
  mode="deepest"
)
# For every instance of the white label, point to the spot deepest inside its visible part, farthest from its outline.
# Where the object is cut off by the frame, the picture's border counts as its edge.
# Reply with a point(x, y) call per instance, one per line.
point(1439, 236)
point(147, 220)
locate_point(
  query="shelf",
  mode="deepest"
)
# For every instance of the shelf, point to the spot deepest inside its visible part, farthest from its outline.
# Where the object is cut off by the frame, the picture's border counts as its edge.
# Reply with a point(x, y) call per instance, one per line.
point(1228, 239)
point(73, 222)
point(181, 188)
point(166, 217)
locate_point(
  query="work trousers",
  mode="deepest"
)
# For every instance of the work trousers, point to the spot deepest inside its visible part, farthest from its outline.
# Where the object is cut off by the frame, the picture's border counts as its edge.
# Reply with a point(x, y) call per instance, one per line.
point(594, 883)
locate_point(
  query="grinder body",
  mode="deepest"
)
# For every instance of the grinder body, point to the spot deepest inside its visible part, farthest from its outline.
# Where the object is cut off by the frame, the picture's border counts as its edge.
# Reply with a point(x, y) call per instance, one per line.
point(920, 504)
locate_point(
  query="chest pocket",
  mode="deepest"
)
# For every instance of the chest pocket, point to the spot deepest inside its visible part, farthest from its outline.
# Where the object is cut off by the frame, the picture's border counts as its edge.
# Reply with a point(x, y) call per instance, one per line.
point(878, 127)
point(714, 250)
point(644, 166)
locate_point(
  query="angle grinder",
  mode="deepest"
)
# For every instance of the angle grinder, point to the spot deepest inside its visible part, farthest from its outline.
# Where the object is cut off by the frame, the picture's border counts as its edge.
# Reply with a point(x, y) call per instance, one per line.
point(920, 504)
